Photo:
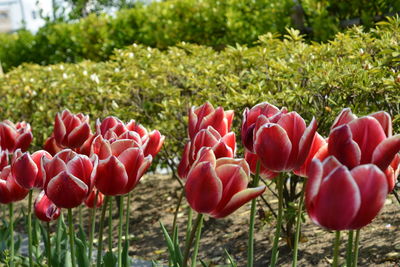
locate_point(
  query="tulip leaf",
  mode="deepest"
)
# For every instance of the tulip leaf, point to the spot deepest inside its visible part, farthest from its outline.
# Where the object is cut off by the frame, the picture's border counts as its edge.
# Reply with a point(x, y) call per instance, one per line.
point(125, 255)
point(81, 253)
point(231, 260)
point(109, 259)
point(170, 245)
point(67, 259)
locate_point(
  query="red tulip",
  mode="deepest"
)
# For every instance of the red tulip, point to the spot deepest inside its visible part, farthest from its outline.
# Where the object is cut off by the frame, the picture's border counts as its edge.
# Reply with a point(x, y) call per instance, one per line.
point(319, 148)
point(284, 145)
point(44, 209)
point(338, 198)
point(69, 178)
point(250, 116)
point(28, 169)
point(51, 146)
point(90, 200)
point(355, 141)
point(121, 165)
point(218, 187)
point(205, 115)
point(222, 147)
point(3, 159)
point(10, 191)
point(153, 144)
point(71, 130)
point(251, 159)
point(14, 136)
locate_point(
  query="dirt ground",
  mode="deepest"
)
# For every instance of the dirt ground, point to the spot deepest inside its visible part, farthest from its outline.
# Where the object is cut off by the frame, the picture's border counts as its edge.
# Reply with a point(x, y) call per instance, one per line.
point(155, 199)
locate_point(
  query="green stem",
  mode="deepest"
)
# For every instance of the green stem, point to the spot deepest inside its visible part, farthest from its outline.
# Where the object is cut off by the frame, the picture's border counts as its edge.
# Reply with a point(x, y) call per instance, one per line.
point(128, 201)
point(11, 210)
point(80, 215)
point(189, 243)
point(250, 245)
point(71, 237)
point(349, 249)
point(48, 249)
point(30, 228)
point(92, 226)
point(110, 229)
point(336, 249)
point(274, 255)
point(59, 236)
point(356, 248)
point(188, 226)
point(197, 242)
point(298, 226)
point(176, 213)
point(100, 246)
point(121, 213)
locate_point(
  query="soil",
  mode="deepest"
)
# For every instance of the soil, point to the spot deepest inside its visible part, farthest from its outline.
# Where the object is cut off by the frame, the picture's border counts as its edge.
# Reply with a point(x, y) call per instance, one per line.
point(155, 200)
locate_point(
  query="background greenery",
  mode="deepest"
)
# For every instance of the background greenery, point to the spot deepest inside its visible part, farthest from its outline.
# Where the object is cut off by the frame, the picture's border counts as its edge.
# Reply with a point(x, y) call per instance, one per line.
point(163, 24)
point(357, 69)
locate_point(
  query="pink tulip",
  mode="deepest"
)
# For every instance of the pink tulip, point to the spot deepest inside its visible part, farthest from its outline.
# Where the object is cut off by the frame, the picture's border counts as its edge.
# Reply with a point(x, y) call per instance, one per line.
point(121, 165)
point(71, 130)
point(205, 115)
point(222, 147)
point(338, 198)
point(319, 148)
point(250, 116)
point(44, 209)
point(14, 136)
point(10, 191)
point(284, 145)
point(218, 187)
point(69, 178)
point(28, 169)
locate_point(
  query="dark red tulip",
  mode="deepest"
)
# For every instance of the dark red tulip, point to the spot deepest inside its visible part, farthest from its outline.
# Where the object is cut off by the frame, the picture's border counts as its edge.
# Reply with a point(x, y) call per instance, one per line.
point(284, 145)
point(69, 178)
point(319, 150)
point(205, 115)
point(338, 198)
point(10, 191)
point(71, 130)
point(222, 147)
point(28, 169)
point(250, 116)
point(218, 187)
point(251, 159)
point(90, 200)
point(45, 210)
point(14, 136)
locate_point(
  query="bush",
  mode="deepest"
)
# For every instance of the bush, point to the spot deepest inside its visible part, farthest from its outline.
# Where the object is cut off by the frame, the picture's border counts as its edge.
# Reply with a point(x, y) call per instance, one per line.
point(357, 69)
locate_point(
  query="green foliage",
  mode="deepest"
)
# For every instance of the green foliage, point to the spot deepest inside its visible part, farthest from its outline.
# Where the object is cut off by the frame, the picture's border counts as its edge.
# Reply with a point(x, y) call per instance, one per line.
point(357, 69)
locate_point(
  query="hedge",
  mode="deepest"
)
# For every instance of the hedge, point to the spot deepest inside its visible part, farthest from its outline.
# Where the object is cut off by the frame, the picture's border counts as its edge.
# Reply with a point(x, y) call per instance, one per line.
point(357, 69)
point(162, 24)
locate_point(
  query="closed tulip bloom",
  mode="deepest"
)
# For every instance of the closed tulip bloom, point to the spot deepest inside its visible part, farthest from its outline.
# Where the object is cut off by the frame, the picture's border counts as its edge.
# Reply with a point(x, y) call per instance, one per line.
point(218, 187)
point(355, 141)
point(28, 170)
point(284, 145)
point(14, 136)
point(91, 199)
point(341, 199)
point(120, 167)
point(71, 130)
point(205, 115)
point(250, 116)
point(319, 150)
point(69, 178)
point(45, 210)
point(10, 190)
point(222, 147)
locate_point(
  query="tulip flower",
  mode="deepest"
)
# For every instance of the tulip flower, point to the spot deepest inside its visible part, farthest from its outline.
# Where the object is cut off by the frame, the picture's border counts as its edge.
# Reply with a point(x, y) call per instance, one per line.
point(205, 115)
point(90, 200)
point(71, 130)
point(284, 145)
point(3, 159)
point(121, 165)
point(28, 170)
point(14, 136)
point(51, 146)
point(250, 116)
point(68, 178)
point(356, 141)
point(338, 198)
point(319, 150)
point(222, 146)
point(10, 190)
point(45, 210)
point(218, 187)
point(251, 159)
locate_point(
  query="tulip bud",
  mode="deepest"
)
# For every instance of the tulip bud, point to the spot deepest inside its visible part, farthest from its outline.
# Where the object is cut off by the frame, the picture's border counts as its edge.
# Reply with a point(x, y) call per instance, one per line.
point(44, 209)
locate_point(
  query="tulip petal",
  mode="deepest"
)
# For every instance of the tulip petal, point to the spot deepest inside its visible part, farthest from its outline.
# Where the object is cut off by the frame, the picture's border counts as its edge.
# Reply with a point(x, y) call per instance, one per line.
point(386, 151)
point(240, 162)
point(183, 167)
point(59, 129)
point(81, 167)
point(101, 147)
point(238, 200)
point(306, 143)
point(24, 141)
point(154, 143)
point(314, 174)
point(373, 190)
point(78, 135)
point(344, 117)
point(216, 120)
point(273, 146)
point(52, 168)
point(206, 154)
point(251, 159)
point(203, 188)
point(120, 146)
point(385, 121)
point(111, 177)
point(342, 146)
point(24, 170)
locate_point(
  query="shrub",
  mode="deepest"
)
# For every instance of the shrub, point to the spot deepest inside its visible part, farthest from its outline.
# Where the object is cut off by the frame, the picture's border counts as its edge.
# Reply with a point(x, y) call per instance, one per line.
point(357, 69)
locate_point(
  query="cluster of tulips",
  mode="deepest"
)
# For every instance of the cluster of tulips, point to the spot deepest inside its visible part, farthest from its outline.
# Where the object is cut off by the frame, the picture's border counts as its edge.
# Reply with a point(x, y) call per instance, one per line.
point(349, 174)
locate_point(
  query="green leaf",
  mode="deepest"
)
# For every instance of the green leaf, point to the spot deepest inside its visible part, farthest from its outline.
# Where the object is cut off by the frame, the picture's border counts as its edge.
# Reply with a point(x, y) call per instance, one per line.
point(81, 253)
point(109, 259)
